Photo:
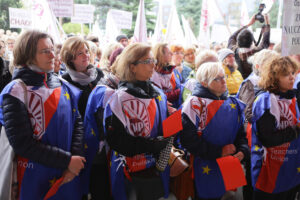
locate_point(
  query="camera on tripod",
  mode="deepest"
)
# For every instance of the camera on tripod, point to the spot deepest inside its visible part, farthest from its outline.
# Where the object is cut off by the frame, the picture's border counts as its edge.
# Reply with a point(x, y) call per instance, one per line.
point(259, 16)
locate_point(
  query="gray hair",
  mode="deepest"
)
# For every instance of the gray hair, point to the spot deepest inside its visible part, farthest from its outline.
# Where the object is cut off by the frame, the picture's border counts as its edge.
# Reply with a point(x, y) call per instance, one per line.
point(207, 72)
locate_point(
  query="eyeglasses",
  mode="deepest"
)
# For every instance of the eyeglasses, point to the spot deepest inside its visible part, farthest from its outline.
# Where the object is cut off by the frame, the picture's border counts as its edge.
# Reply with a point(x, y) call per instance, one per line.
point(219, 79)
point(178, 53)
point(47, 51)
point(147, 61)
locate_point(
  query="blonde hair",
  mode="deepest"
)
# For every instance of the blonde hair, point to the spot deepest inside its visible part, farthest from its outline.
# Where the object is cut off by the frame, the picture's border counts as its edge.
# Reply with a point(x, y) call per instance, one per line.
point(159, 54)
point(130, 55)
point(69, 49)
point(104, 61)
point(25, 48)
point(261, 57)
point(269, 80)
point(208, 72)
point(206, 56)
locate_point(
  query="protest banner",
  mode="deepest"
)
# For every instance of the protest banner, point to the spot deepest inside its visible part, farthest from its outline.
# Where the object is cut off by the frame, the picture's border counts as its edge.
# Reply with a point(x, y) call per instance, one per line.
point(20, 18)
point(83, 14)
point(61, 8)
point(123, 19)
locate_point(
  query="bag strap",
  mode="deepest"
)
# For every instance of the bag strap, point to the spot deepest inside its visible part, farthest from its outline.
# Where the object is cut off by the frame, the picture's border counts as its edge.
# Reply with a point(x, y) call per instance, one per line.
point(24, 86)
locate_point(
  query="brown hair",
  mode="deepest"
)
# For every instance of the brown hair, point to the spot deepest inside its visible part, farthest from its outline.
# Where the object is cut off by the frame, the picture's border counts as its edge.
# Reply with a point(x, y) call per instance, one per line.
point(176, 48)
point(26, 47)
point(158, 53)
point(69, 49)
point(130, 55)
point(273, 69)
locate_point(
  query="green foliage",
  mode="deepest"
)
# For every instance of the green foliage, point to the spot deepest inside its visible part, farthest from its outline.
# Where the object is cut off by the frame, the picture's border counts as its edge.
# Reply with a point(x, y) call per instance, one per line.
point(191, 10)
point(4, 14)
point(75, 28)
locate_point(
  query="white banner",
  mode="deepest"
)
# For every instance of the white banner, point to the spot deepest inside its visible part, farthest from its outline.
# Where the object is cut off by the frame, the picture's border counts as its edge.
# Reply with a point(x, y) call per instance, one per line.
point(123, 19)
point(19, 18)
point(61, 8)
point(83, 13)
point(291, 28)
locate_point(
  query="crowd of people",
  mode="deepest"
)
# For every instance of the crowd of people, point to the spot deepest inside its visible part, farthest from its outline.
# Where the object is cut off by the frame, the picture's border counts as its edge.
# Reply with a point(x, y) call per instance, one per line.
point(93, 119)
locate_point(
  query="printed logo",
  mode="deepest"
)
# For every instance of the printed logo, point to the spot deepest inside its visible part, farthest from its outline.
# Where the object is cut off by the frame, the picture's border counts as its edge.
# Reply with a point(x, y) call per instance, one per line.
point(286, 117)
point(199, 107)
point(137, 117)
point(36, 114)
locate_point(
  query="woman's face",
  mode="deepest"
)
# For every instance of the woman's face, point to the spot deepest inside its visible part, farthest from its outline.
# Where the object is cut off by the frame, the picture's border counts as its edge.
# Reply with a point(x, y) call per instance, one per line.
point(190, 57)
point(218, 85)
point(82, 59)
point(286, 81)
point(229, 60)
point(144, 68)
point(2, 49)
point(57, 63)
point(177, 58)
point(44, 57)
point(167, 55)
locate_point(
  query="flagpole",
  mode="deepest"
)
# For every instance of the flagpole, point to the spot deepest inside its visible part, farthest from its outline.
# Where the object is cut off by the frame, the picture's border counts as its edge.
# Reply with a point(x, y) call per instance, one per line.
point(279, 14)
point(226, 24)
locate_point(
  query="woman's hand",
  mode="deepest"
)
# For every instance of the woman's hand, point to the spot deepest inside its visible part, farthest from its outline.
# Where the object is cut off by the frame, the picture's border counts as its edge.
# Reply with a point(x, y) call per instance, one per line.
point(228, 149)
point(252, 20)
point(68, 176)
point(239, 155)
point(76, 164)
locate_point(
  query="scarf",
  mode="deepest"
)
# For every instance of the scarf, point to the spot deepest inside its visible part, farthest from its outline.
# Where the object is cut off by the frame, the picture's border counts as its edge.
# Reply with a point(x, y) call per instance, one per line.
point(83, 78)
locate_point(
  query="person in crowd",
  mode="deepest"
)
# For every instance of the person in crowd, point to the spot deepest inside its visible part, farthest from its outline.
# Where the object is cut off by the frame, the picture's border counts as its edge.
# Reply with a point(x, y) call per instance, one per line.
point(132, 137)
point(93, 53)
point(10, 41)
point(189, 59)
point(57, 60)
point(42, 122)
point(98, 56)
point(220, 136)
point(247, 94)
point(5, 75)
point(93, 39)
point(123, 40)
point(275, 137)
point(75, 53)
point(177, 58)
point(240, 42)
point(233, 76)
point(105, 62)
point(165, 76)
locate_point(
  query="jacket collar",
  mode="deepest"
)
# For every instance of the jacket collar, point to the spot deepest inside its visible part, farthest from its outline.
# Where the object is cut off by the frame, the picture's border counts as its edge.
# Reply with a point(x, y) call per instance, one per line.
point(201, 91)
point(140, 89)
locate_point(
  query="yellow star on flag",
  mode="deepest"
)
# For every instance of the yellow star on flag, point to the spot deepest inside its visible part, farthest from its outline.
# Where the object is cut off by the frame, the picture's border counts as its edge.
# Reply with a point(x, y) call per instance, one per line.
point(67, 95)
point(298, 169)
point(232, 105)
point(93, 132)
point(255, 99)
point(116, 153)
point(159, 98)
point(256, 148)
point(74, 110)
point(177, 75)
point(86, 146)
point(206, 170)
point(52, 181)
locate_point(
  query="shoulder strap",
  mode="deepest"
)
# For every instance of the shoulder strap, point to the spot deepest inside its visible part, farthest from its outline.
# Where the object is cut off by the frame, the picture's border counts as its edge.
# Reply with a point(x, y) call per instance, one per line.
point(24, 86)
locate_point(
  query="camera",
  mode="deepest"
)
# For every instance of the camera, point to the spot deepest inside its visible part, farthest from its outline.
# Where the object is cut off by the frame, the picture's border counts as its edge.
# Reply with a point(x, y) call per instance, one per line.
point(259, 17)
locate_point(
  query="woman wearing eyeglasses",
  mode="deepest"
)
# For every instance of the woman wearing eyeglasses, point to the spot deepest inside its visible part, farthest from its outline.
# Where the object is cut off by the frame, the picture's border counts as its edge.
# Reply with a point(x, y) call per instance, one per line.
point(212, 128)
point(133, 123)
point(42, 122)
point(165, 76)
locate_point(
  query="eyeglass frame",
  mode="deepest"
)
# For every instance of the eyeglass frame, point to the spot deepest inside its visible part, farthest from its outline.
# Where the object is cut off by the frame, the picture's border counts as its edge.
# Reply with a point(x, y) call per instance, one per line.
point(147, 61)
point(218, 79)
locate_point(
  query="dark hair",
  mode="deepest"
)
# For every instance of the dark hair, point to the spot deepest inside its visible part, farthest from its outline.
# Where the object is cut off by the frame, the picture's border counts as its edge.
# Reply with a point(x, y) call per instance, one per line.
point(92, 38)
point(120, 37)
point(26, 47)
point(114, 55)
point(245, 39)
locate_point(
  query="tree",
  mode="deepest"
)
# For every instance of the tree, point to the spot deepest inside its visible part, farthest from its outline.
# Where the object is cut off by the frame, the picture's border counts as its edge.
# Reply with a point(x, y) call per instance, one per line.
point(4, 14)
point(191, 10)
point(75, 28)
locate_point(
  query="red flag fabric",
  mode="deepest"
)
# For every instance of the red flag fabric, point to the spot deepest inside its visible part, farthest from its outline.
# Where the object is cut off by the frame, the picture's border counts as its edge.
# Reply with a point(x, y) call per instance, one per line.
point(54, 188)
point(232, 172)
point(172, 124)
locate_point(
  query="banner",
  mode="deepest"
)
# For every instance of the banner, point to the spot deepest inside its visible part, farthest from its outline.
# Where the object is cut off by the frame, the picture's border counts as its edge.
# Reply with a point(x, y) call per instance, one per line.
point(123, 19)
point(291, 28)
point(61, 8)
point(158, 35)
point(140, 29)
point(19, 18)
point(83, 14)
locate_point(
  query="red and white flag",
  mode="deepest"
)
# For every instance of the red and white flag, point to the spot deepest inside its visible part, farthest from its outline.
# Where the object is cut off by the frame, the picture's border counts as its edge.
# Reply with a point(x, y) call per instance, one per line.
point(140, 30)
point(158, 35)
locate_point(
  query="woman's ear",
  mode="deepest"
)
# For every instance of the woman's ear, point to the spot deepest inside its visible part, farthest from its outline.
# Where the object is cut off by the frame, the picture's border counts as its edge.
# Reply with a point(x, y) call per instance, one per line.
point(204, 84)
point(132, 68)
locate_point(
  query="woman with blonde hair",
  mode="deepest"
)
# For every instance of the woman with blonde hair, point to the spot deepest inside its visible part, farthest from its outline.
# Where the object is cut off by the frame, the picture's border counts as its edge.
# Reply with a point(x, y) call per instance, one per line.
point(275, 133)
point(104, 61)
point(133, 118)
point(207, 134)
point(165, 76)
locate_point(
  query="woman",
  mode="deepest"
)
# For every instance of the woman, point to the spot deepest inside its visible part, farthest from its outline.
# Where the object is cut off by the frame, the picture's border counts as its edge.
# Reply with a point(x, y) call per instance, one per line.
point(233, 76)
point(75, 53)
point(207, 134)
point(189, 58)
point(165, 76)
point(275, 133)
point(133, 118)
point(177, 58)
point(46, 132)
